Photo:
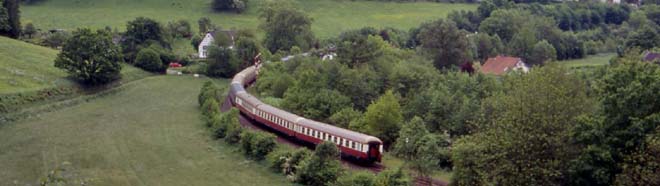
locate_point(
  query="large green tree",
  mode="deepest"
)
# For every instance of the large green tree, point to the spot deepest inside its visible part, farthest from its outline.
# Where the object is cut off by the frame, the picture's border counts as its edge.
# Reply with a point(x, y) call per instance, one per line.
point(384, 118)
point(285, 26)
point(10, 23)
point(630, 110)
point(524, 133)
point(222, 62)
point(541, 53)
point(90, 57)
point(323, 168)
point(444, 42)
point(140, 33)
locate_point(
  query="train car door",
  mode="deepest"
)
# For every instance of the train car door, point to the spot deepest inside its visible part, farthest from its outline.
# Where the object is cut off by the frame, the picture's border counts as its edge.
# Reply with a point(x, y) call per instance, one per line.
point(373, 152)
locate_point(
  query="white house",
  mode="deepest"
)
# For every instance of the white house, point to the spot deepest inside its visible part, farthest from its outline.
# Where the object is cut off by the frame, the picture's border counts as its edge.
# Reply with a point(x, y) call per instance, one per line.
point(208, 40)
point(501, 65)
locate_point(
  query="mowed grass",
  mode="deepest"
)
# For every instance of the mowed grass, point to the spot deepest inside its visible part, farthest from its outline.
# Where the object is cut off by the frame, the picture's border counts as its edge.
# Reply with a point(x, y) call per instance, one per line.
point(149, 133)
point(25, 67)
point(330, 16)
point(589, 61)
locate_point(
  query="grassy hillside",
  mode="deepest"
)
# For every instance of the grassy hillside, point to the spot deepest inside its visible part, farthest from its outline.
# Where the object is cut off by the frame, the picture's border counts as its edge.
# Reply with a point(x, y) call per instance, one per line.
point(27, 67)
point(330, 16)
point(149, 133)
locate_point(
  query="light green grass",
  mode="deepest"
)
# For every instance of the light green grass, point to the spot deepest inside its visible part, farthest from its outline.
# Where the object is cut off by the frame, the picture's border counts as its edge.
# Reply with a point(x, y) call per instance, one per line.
point(149, 133)
point(25, 67)
point(589, 61)
point(330, 16)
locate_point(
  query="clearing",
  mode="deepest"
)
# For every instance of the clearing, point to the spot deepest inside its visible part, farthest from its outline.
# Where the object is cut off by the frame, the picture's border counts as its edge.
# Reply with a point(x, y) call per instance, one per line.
point(330, 17)
point(589, 61)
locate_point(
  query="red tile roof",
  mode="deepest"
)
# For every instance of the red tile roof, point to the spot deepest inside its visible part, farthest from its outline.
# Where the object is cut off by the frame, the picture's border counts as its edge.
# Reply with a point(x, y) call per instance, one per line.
point(499, 65)
point(651, 56)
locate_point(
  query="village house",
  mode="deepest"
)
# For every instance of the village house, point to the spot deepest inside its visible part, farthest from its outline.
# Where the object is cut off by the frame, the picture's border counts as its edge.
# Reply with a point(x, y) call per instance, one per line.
point(651, 57)
point(209, 38)
point(501, 65)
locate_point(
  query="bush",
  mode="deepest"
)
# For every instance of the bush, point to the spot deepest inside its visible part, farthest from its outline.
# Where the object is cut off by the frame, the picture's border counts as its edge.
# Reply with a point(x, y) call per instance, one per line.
point(392, 177)
point(323, 168)
point(279, 161)
point(149, 60)
point(233, 129)
point(90, 57)
point(210, 108)
point(257, 144)
point(357, 179)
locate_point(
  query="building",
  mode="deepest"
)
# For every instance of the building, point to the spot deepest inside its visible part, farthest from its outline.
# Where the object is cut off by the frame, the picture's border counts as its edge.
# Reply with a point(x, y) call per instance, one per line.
point(501, 65)
point(209, 39)
point(652, 57)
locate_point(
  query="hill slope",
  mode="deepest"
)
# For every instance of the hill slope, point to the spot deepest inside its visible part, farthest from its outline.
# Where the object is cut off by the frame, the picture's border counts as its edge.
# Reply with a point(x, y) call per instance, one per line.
point(149, 133)
point(27, 67)
point(330, 16)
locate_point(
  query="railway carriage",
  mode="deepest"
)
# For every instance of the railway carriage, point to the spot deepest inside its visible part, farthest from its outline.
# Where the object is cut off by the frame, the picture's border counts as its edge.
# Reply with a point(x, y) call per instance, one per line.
point(350, 143)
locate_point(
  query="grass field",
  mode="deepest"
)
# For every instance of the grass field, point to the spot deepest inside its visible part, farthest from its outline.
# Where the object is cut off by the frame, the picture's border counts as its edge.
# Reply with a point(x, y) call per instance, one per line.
point(330, 16)
point(589, 61)
point(25, 67)
point(149, 133)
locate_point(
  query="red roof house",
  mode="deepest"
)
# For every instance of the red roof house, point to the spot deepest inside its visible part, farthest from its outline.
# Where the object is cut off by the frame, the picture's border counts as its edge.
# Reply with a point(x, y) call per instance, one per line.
point(500, 65)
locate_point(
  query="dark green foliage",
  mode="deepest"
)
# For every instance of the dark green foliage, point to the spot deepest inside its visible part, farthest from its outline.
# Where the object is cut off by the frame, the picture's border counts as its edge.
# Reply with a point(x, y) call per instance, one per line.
point(29, 30)
point(323, 168)
point(641, 167)
point(90, 57)
point(233, 129)
point(486, 46)
point(359, 46)
point(406, 79)
point(247, 48)
point(392, 177)
point(344, 117)
point(630, 111)
point(452, 103)
point(645, 38)
point(361, 85)
point(195, 41)
point(257, 144)
point(421, 149)
point(444, 42)
point(180, 28)
point(149, 60)
point(225, 5)
point(10, 23)
point(529, 123)
point(141, 32)
point(222, 62)
point(210, 109)
point(356, 179)
point(285, 26)
point(541, 53)
point(504, 23)
point(205, 25)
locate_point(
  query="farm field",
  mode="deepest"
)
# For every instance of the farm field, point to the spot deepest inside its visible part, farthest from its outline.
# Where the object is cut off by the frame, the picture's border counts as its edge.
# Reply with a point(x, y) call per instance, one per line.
point(148, 133)
point(589, 61)
point(330, 17)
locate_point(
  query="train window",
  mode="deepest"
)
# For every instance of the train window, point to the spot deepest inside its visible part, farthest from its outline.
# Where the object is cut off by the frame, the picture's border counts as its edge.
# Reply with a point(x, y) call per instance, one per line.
point(353, 145)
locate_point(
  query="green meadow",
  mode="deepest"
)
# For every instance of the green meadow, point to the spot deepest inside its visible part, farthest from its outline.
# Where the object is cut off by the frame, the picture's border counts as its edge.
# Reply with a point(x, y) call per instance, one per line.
point(330, 16)
point(589, 61)
point(148, 133)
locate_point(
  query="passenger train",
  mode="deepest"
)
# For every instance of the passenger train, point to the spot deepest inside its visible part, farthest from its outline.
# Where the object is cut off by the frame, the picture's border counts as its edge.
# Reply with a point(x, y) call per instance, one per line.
point(352, 144)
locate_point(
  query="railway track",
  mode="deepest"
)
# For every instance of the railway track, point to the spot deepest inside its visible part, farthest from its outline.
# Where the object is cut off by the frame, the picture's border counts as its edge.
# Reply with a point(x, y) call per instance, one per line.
point(376, 168)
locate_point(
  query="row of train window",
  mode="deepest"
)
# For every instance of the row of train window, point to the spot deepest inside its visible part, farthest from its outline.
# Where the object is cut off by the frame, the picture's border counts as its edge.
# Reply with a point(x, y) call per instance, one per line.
point(307, 131)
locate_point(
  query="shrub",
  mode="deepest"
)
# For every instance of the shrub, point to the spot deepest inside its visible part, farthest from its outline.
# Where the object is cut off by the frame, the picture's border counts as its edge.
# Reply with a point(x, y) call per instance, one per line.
point(392, 177)
point(357, 179)
point(149, 60)
point(257, 144)
point(279, 161)
point(233, 129)
point(322, 168)
point(90, 57)
point(210, 108)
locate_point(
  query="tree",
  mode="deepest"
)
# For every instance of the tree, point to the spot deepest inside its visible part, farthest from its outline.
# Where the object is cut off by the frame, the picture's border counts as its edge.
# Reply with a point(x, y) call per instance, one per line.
point(504, 23)
point(29, 30)
point(410, 139)
point(246, 49)
point(141, 33)
point(392, 177)
point(383, 118)
point(180, 28)
point(11, 13)
point(357, 179)
point(523, 137)
point(90, 57)
point(640, 168)
point(344, 117)
point(487, 46)
point(444, 42)
point(630, 111)
point(221, 62)
point(149, 60)
point(195, 41)
point(541, 53)
point(220, 5)
point(323, 168)
point(645, 38)
point(285, 27)
point(355, 48)
point(205, 25)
